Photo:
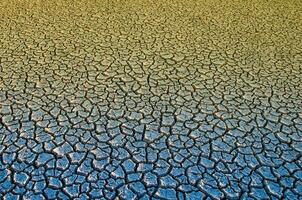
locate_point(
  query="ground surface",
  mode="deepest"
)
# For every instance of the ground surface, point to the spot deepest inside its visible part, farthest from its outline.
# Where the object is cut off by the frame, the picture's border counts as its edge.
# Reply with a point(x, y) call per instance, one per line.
point(150, 99)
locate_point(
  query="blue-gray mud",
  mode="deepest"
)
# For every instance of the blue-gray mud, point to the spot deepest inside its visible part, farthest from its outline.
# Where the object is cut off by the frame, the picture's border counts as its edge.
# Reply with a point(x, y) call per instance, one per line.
point(150, 99)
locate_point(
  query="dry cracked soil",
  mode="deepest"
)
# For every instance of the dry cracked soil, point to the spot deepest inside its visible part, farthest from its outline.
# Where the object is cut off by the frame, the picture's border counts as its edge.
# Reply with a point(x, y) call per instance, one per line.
point(142, 99)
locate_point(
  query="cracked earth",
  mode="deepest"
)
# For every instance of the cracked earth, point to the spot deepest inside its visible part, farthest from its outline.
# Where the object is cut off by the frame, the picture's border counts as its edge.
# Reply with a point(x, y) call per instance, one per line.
point(150, 99)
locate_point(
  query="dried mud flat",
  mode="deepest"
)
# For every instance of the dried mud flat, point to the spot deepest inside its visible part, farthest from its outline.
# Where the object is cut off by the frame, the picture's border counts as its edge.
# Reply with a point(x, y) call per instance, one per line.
point(150, 99)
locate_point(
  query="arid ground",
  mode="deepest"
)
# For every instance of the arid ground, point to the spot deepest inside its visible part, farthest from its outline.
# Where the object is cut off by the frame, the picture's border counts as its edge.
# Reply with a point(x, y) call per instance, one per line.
point(142, 99)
